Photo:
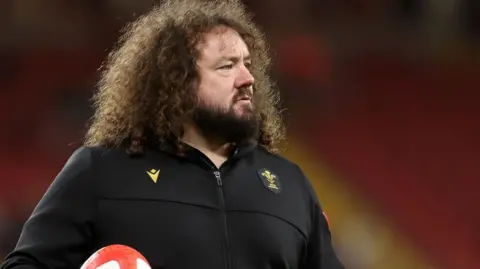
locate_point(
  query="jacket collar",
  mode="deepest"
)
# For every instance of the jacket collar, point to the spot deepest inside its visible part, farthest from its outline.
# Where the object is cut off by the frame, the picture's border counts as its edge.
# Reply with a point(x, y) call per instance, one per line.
point(239, 150)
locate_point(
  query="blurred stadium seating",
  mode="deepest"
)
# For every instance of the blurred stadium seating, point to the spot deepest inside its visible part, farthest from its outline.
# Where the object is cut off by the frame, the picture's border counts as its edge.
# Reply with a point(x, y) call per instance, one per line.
point(382, 107)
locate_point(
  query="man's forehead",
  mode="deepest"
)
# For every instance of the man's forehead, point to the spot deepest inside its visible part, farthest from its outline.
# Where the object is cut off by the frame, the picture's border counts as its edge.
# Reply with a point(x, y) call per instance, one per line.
point(225, 40)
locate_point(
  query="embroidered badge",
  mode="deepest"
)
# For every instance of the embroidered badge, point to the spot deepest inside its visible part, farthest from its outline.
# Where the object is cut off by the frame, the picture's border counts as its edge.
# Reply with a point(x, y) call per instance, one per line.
point(270, 180)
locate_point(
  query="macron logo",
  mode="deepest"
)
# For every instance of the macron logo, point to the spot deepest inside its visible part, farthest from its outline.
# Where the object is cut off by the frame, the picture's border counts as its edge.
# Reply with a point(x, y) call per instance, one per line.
point(153, 174)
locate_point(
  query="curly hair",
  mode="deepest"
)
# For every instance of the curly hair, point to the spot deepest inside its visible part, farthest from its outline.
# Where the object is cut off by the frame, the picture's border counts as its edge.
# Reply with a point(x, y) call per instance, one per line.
point(147, 84)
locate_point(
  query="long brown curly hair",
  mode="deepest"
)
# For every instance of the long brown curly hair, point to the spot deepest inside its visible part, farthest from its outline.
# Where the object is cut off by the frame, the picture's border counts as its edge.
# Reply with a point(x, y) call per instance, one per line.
point(147, 85)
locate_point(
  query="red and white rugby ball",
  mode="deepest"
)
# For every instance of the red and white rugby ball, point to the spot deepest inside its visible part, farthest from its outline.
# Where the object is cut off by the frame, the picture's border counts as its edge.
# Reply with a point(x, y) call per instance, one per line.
point(116, 257)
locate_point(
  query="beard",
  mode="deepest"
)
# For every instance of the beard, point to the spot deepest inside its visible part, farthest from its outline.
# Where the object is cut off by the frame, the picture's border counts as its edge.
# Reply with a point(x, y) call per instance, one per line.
point(224, 125)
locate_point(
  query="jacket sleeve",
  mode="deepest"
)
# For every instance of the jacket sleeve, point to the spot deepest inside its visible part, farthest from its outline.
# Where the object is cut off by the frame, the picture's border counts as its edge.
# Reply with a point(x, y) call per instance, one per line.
point(320, 251)
point(58, 234)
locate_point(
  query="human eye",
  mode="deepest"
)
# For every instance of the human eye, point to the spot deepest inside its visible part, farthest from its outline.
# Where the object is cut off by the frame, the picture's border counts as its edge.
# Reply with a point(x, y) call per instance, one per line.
point(226, 66)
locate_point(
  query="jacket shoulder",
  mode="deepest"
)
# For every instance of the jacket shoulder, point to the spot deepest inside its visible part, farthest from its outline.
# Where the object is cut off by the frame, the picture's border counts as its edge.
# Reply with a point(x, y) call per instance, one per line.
point(279, 159)
point(90, 158)
point(102, 153)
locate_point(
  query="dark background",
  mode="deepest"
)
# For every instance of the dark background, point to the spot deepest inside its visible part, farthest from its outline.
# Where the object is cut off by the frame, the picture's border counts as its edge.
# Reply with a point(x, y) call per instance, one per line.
point(382, 105)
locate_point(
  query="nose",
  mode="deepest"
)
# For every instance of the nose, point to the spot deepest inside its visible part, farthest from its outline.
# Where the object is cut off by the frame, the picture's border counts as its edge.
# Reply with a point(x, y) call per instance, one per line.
point(244, 78)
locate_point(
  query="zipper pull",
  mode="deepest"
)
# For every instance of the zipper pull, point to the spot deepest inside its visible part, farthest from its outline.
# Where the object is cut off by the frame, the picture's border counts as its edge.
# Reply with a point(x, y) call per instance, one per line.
point(219, 179)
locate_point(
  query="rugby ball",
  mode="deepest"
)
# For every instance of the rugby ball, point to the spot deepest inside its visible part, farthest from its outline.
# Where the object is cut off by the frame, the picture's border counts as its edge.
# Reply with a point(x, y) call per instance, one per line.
point(116, 257)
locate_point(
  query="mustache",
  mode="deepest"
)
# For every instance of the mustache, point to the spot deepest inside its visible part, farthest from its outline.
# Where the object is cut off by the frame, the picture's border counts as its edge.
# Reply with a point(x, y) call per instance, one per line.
point(243, 93)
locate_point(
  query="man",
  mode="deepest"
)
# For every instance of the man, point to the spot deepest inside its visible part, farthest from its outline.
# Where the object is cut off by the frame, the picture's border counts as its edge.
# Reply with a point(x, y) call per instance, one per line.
point(179, 161)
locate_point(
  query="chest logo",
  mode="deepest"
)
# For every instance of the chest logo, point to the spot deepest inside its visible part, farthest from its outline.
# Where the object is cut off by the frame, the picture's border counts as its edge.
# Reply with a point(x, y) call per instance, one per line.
point(270, 180)
point(153, 174)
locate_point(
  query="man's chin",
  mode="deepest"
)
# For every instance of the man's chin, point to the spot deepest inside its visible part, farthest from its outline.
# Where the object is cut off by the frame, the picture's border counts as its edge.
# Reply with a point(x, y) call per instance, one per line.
point(244, 112)
point(236, 125)
point(245, 116)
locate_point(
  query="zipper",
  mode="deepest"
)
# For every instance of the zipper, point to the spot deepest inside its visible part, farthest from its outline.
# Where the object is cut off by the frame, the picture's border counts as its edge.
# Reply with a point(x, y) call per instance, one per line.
point(225, 222)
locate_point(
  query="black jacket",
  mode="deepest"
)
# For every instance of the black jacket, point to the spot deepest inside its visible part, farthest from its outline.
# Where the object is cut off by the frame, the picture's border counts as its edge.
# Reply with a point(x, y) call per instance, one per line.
point(257, 211)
